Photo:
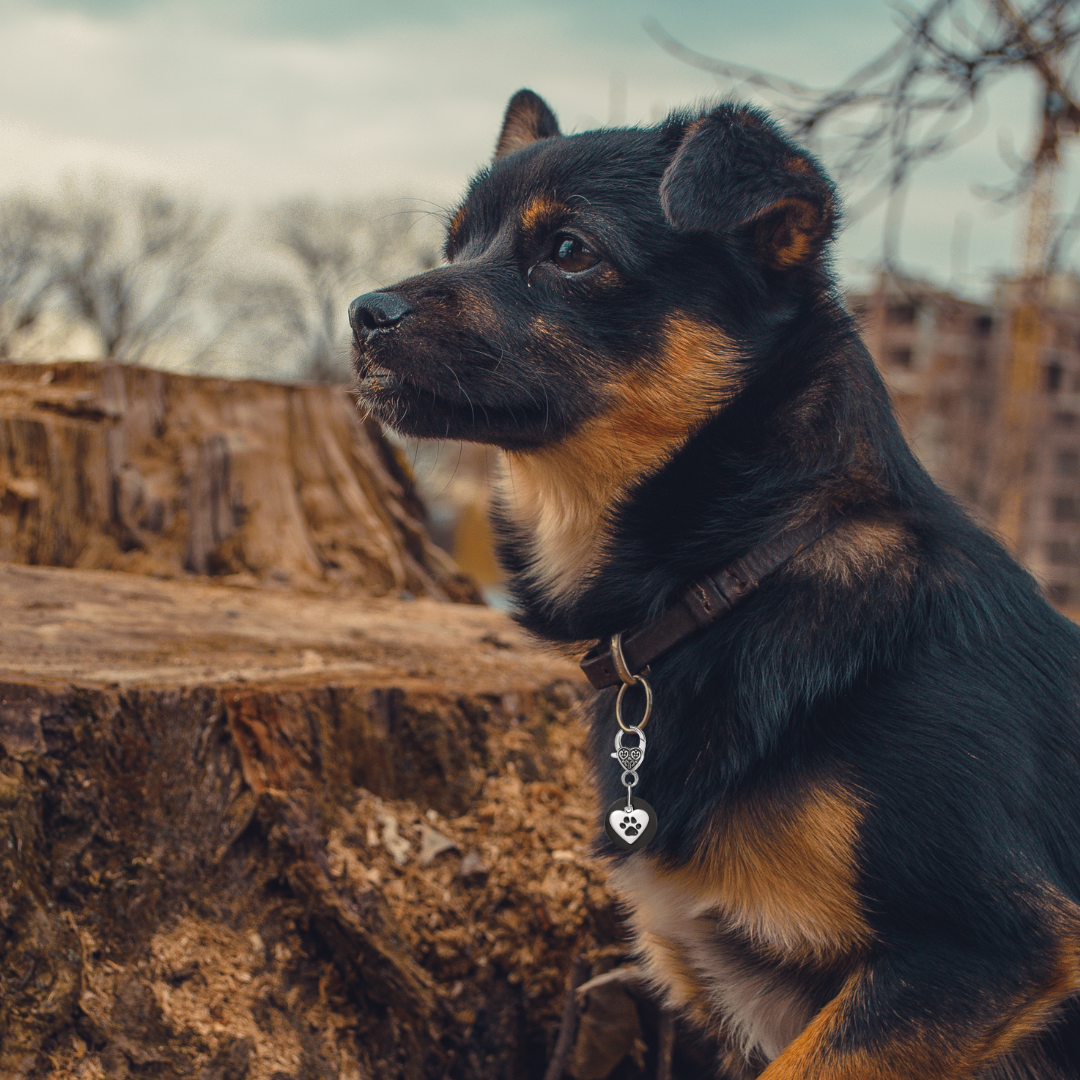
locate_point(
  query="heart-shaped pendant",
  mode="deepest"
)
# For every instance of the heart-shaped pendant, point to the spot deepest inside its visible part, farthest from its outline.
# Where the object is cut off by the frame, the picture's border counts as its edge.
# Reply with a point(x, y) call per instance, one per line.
point(630, 827)
point(629, 757)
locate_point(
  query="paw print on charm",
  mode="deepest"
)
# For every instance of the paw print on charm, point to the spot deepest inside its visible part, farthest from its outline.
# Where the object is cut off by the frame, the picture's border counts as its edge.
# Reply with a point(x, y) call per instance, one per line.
point(633, 828)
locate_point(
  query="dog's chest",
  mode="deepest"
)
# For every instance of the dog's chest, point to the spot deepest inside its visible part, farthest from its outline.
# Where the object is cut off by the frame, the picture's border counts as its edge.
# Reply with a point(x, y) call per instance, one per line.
point(746, 936)
point(689, 952)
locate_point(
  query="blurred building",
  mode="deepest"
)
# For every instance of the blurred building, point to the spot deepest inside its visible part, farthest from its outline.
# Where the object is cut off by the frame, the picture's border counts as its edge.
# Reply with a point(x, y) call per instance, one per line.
point(948, 363)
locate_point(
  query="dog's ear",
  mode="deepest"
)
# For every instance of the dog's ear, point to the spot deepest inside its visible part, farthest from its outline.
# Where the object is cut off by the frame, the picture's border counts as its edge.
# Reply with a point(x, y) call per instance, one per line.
point(527, 119)
point(734, 173)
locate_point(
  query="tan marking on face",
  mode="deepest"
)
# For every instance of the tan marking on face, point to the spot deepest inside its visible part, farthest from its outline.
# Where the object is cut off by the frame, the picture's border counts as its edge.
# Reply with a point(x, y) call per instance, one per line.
point(857, 548)
point(564, 494)
point(455, 224)
point(539, 211)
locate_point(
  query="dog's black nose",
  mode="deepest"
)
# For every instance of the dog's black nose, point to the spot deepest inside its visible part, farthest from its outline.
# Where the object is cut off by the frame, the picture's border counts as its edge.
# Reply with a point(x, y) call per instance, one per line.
point(377, 311)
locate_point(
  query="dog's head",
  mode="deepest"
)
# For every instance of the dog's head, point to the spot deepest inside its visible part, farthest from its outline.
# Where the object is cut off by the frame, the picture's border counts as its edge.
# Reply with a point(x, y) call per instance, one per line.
point(613, 278)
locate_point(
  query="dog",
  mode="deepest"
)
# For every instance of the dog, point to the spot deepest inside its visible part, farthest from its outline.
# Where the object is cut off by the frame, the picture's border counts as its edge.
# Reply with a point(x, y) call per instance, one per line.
point(864, 750)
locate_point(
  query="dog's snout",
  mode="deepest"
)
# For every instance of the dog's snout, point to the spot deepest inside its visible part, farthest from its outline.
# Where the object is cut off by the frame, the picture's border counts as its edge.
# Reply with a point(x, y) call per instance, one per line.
point(377, 311)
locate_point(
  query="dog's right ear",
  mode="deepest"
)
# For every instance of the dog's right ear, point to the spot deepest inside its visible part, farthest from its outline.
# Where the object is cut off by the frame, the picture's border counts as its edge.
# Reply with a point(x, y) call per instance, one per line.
point(734, 174)
point(527, 119)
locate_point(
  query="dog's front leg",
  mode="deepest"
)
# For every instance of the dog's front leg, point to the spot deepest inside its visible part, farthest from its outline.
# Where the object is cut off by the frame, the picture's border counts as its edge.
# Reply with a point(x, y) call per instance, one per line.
point(932, 1017)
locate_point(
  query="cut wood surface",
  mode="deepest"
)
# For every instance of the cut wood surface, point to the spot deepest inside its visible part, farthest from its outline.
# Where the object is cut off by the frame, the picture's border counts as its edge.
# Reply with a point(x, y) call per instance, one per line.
point(261, 834)
point(105, 466)
point(101, 628)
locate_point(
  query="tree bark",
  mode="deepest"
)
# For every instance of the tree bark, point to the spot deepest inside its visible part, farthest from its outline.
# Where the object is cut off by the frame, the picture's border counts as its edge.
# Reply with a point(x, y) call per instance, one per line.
point(116, 467)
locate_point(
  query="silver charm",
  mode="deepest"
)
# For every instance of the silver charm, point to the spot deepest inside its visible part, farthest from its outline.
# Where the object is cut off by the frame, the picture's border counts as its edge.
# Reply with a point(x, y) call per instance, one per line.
point(631, 822)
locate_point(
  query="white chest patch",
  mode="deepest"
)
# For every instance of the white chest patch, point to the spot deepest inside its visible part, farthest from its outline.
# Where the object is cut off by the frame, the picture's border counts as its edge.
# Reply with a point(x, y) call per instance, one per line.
point(682, 944)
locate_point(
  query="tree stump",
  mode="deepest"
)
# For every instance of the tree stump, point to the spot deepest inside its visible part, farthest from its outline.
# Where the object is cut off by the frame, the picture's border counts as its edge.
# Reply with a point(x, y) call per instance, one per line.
point(258, 834)
point(273, 809)
point(107, 466)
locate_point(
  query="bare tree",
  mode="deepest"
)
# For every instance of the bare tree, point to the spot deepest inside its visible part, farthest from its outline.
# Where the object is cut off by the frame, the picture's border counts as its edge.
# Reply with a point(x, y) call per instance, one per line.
point(319, 255)
point(28, 272)
point(130, 267)
point(926, 94)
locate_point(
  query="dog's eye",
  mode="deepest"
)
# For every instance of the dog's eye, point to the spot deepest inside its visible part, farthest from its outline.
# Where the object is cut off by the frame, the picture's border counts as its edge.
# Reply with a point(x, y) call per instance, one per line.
point(572, 255)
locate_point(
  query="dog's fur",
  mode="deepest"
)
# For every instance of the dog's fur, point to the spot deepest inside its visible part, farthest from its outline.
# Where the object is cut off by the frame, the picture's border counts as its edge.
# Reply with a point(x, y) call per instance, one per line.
point(867, 777)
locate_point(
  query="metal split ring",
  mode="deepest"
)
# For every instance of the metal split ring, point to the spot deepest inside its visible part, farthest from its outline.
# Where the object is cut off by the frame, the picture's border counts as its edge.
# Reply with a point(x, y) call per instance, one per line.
point(648, 704)
point(629, 783)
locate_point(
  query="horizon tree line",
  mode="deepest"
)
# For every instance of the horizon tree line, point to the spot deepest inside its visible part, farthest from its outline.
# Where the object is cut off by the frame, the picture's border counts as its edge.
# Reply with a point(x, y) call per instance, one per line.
point(136, 273)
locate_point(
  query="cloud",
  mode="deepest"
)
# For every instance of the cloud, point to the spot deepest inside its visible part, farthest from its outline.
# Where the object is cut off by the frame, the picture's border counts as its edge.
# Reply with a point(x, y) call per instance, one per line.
point(258, 99)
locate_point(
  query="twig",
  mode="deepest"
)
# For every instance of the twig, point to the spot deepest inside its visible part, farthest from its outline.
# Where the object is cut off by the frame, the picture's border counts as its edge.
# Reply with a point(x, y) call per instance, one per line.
point(667, 1045)
point(626, 973)
point(568, 1024)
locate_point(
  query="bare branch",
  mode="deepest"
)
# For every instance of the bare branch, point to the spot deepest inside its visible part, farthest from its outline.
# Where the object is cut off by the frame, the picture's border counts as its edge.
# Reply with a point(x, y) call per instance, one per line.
point(925, 94)
point(129, 264)
point(28, 234)
point(327, 254)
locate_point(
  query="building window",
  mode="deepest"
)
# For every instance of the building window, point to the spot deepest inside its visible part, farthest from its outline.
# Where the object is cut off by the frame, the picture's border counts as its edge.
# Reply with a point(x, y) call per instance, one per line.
point(1067, 462)
point(1058, 594)
point(983, 324)
point(1062, 553)
point(900, 357)
point(900, 314)
point(1066, 508)
point(1054, 374)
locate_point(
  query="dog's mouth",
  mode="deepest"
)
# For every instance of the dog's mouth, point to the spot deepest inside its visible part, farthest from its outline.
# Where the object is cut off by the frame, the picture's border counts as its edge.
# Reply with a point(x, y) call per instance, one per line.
point(375, 379)
point(428, 410)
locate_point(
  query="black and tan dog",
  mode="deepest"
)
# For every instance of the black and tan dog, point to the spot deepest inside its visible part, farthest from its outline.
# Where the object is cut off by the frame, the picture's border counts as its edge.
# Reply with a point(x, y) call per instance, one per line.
point(867, 773)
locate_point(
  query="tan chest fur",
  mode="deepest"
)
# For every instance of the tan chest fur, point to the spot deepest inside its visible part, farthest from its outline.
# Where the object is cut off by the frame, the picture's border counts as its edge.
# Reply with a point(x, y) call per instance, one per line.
point(563, 495)
point(779, 880)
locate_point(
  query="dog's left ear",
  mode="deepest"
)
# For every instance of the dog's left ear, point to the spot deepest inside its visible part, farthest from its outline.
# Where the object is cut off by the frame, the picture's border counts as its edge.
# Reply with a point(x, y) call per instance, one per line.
point(527, 120)
point(735, 173)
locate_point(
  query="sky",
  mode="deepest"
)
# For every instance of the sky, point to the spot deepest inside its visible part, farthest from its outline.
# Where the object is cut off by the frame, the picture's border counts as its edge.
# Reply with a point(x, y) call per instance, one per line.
point(251, 101)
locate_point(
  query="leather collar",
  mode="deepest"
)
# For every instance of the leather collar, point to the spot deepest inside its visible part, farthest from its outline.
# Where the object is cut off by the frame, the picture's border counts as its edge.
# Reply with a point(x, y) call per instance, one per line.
point(705, 601)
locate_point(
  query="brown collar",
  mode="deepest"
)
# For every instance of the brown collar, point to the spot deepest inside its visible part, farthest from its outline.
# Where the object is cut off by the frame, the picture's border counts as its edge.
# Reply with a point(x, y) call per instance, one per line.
point(705, 601)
